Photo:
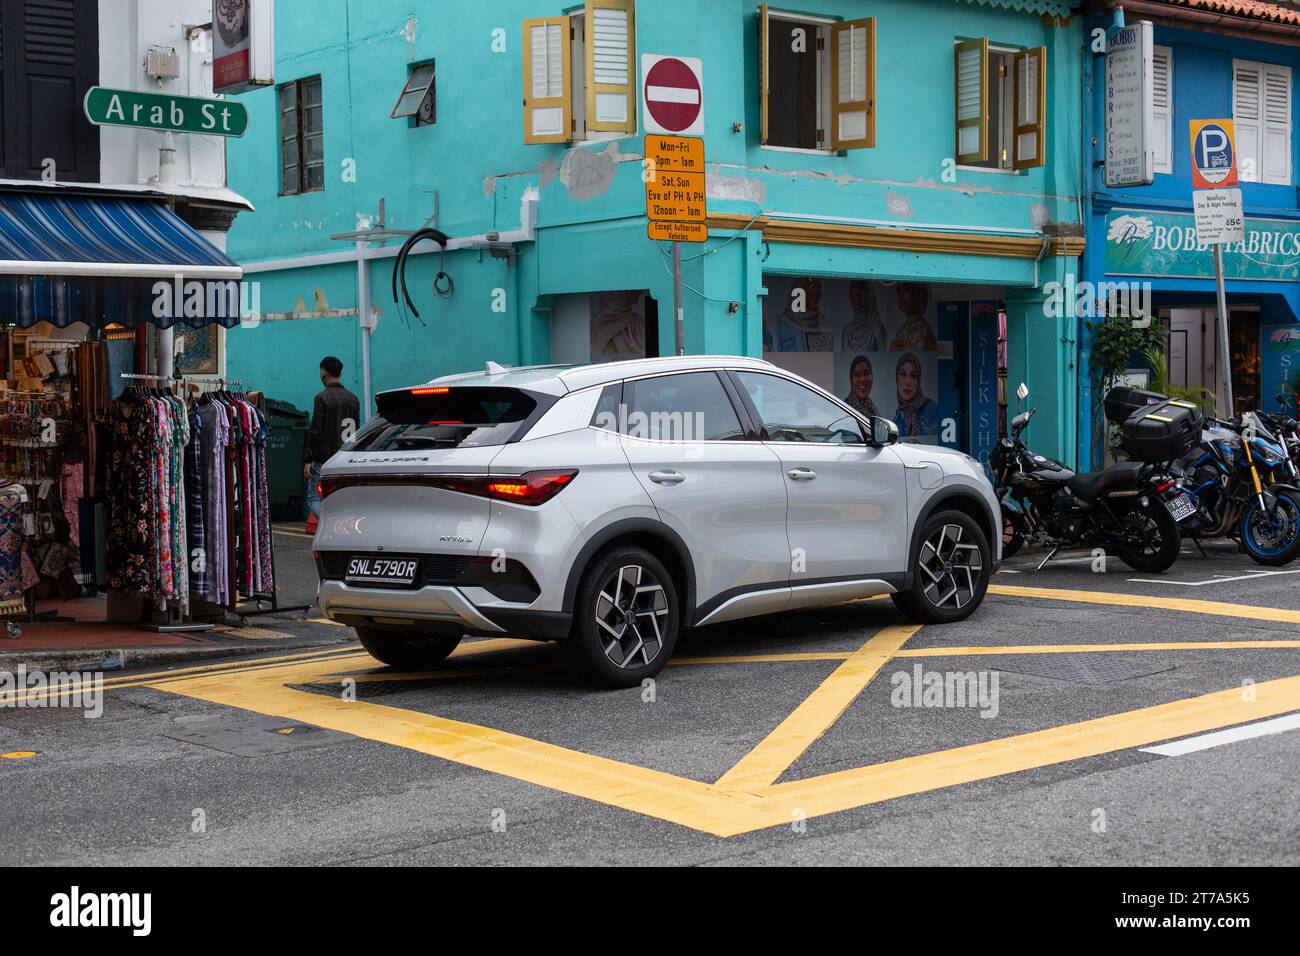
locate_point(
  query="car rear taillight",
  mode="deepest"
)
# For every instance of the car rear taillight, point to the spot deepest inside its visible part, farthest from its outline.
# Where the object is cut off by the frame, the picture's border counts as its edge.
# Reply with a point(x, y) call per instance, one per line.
point(530, 488)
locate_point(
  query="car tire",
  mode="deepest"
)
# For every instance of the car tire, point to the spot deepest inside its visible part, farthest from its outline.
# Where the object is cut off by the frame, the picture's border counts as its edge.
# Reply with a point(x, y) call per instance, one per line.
point(950, 570)
point(407, 650)
point(625, 618)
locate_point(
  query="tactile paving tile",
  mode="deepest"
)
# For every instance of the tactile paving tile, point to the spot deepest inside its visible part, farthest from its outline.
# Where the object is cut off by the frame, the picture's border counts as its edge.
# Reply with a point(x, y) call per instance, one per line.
point(1083, 668)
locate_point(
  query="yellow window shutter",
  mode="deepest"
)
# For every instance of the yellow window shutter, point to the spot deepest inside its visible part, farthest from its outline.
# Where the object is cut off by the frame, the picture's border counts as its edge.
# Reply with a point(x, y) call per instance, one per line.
point(1030, 106)
point(853, 72)
point(762, 72)
point(548, 84)
point(610, 54)
point(971, 71)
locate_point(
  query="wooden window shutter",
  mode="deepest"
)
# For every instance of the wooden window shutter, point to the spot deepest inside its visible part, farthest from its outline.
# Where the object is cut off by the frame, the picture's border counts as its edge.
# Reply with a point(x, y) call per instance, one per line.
point(1276, 129)
point(1030, 107)
point(853, 66)
point(610, 54)
point(1162, 70)
point(1246, 118)
point(548, 85)
point(762, 72)
point(971, 70)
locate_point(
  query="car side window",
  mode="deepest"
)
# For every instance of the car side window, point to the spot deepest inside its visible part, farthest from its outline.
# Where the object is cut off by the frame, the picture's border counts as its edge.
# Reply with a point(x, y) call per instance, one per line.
point(692, 406)
point(790, 412)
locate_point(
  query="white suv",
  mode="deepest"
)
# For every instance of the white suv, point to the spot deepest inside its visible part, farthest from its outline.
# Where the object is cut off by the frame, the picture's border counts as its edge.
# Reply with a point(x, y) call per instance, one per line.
point(610, 506)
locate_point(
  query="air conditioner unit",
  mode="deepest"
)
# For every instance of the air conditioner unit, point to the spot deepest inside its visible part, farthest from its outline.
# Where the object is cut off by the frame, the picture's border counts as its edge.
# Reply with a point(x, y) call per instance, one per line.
point(163, 63)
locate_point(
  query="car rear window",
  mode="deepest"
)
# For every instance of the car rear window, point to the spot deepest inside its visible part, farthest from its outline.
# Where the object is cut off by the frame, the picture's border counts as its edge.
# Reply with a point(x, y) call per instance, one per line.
point(435, 417)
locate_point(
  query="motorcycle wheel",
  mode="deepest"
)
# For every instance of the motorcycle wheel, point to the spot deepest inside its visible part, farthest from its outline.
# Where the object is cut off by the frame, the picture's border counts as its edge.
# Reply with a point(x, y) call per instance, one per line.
point(1272, 539)
point(1012, 539)
point(1165, 546)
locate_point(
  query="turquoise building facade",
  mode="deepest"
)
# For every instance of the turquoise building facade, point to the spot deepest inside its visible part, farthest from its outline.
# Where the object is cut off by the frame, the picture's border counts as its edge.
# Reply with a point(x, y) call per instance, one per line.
point(912, 252)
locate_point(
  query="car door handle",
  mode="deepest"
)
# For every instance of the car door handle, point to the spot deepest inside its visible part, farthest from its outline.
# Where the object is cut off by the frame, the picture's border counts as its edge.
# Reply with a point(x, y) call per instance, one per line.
point(801, 474)
point(666, 477)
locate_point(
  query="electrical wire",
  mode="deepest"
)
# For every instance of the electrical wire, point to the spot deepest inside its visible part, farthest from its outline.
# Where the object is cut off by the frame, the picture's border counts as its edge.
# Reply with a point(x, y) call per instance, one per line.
point(399, 268)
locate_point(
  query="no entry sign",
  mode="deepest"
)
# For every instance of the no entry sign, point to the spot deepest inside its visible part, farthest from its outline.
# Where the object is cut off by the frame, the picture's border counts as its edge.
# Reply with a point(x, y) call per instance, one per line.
point(672, 94)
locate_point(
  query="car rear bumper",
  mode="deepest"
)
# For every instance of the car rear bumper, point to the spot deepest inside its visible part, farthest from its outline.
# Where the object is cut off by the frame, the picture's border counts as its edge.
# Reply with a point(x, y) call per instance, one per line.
point(437, 604)
point(441, 603)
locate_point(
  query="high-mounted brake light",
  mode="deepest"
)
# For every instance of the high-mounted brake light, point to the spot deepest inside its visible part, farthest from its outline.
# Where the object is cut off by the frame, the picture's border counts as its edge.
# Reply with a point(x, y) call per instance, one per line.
point(440, 390)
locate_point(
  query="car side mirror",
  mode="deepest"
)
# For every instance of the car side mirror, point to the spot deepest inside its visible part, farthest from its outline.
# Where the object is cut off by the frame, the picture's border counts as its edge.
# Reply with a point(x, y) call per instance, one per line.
point(881, 431)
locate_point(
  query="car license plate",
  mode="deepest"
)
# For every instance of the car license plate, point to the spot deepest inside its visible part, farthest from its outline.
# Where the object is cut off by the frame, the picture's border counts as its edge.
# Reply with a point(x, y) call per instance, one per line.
point(1181, 507)
point(394, 571)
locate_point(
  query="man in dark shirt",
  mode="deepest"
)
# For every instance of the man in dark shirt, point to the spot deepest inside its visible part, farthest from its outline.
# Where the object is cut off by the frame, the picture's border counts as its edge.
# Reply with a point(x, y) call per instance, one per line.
point(335, 418)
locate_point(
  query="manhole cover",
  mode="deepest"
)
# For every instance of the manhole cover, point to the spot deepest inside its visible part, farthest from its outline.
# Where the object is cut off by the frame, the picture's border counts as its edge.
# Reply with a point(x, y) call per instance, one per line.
point(256, 736)
point(1084, 668)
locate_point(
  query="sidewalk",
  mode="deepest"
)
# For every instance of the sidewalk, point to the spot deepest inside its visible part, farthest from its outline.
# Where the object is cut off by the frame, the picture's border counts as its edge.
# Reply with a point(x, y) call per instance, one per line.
point(93, 641)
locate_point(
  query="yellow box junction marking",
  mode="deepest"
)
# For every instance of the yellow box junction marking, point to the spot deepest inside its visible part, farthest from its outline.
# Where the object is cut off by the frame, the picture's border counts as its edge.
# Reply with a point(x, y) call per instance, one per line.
point(746, 797)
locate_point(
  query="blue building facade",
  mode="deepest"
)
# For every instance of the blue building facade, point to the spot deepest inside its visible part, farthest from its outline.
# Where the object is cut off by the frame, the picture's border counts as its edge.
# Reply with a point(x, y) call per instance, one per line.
point(889, 185)
point(1142, 240)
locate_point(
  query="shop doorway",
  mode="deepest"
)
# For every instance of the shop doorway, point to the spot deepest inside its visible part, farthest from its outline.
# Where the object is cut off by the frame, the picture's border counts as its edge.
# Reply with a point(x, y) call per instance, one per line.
point(924, 355)
point(1194, 353)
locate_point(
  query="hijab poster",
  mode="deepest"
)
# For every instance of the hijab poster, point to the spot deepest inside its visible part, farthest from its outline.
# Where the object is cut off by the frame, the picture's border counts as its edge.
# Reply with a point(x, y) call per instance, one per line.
point(871, 343)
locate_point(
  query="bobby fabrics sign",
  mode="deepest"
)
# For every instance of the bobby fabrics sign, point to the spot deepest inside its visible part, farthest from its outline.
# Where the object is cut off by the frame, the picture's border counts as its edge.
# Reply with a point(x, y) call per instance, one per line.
point(178, 114)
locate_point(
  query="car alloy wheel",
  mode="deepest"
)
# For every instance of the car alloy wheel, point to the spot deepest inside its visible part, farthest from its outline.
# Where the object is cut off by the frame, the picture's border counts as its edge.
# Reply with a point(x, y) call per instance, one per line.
point(951, 564)
point(629, 609)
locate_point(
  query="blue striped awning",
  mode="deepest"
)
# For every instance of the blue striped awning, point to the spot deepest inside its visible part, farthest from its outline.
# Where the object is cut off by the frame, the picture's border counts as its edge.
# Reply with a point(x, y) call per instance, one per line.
point(103, 260)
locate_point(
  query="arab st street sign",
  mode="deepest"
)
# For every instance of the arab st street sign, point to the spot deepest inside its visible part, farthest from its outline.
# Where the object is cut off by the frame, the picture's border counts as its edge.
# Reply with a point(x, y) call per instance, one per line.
point(177, 114)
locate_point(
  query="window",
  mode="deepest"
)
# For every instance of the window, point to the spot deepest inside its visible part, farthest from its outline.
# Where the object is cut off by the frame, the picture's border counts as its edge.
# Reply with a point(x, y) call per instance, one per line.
point(791, 412)
point(999, 105)
point(599, 46)
point(417, 101)
point(302, 137)
point(804, 90)
point(49, 59)
point(692, 406)
point(1261, 113)
point(1162, 138)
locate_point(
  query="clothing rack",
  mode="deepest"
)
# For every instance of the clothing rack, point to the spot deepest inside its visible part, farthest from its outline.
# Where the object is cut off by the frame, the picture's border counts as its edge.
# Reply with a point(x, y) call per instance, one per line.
point(256, 598)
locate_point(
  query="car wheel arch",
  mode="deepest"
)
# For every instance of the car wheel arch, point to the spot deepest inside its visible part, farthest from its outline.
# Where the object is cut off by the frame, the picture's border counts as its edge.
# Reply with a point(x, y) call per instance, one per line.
point(661, 541)
point(958, 499)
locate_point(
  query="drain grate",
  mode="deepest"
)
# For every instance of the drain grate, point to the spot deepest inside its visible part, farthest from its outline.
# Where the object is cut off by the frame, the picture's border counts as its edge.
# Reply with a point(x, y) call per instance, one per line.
point(369, 688)
point(1084, 668)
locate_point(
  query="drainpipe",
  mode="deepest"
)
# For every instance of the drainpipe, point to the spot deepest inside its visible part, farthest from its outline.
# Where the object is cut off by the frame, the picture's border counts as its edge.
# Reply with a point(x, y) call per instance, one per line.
point(366, 319)
point(167, 177)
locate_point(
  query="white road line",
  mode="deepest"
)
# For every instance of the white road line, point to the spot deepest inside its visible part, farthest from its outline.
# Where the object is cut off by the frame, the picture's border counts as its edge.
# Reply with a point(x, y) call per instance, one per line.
point(1197, 584)
point(1220, 737)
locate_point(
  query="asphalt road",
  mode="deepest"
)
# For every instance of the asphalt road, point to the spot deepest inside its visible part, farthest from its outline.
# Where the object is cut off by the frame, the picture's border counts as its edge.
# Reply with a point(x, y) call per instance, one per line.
point(800, 751)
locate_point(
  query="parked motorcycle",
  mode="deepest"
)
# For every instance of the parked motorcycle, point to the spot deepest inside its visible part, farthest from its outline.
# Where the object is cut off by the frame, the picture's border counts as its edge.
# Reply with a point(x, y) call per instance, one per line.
point(1121, 509)
point(1242, 481)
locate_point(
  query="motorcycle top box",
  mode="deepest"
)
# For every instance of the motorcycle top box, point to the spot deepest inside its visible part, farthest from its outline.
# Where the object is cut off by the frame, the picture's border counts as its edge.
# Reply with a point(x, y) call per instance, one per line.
point(1161, 431)
point(1122, 401)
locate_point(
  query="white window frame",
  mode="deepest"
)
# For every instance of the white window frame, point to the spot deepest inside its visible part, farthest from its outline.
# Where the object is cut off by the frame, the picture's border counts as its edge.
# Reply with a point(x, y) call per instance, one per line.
point(1165, 164)
point(1260, 66)
point(824, 79)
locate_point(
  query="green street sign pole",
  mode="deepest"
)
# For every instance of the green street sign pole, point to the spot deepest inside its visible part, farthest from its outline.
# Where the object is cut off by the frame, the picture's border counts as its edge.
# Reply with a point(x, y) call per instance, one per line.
point(158, 111)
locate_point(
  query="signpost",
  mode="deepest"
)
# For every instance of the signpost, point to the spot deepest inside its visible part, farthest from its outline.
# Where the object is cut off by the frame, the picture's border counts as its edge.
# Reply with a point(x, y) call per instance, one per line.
point(1130, 99)
point(1219, 216)
point(165, 113)
point(672, 105)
